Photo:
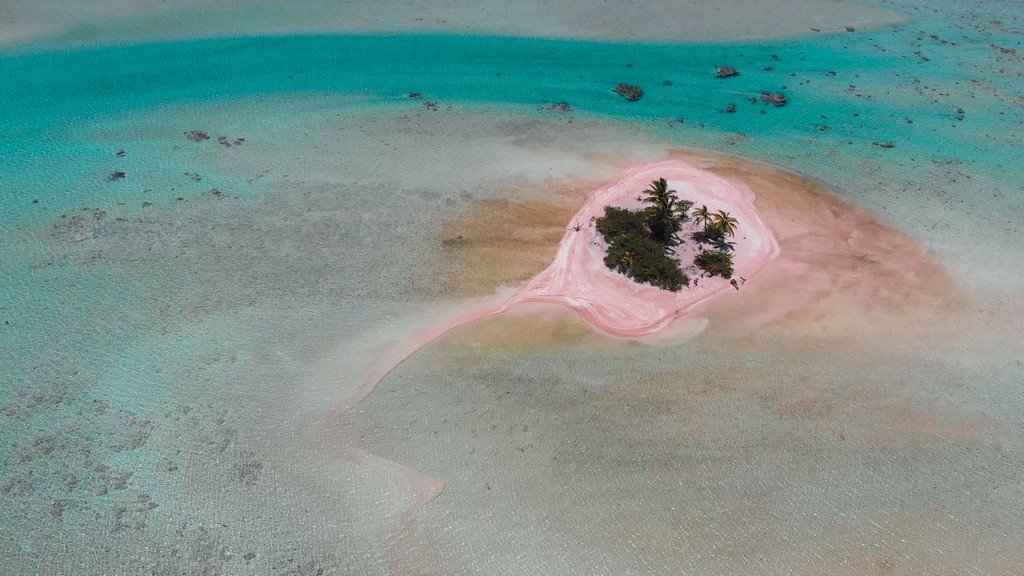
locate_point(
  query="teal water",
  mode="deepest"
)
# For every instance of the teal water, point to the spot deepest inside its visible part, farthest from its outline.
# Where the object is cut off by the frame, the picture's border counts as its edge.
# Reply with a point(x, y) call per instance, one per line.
point(881, 84)
point(157, 338)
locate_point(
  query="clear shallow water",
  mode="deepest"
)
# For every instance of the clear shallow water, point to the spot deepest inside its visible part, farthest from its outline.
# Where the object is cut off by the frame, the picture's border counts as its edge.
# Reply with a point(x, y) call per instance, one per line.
point(162, 363)
point(880, 82)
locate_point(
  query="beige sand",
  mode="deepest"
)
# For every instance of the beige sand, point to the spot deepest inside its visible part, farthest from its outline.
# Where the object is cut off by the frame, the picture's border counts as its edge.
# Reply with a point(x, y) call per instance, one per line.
point(102, 22)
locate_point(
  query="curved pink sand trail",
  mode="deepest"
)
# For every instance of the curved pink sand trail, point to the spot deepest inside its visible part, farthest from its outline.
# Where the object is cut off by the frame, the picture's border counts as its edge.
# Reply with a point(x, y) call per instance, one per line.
point(579, 279)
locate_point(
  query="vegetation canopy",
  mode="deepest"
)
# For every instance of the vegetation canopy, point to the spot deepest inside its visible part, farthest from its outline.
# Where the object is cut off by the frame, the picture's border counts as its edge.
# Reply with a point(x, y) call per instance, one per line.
point(715, 263)
point(646, 261)
point(640, 241)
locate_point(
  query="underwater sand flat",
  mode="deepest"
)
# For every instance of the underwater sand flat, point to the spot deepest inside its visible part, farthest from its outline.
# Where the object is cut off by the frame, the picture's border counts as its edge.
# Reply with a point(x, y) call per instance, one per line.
point(738, 450)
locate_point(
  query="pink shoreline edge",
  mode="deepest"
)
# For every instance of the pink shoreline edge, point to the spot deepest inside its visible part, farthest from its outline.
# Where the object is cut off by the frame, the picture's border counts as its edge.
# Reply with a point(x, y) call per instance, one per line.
point(578, 279)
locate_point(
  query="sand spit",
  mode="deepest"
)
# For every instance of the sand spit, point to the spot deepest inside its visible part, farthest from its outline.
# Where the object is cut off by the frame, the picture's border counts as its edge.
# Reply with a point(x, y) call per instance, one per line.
point(578, 278)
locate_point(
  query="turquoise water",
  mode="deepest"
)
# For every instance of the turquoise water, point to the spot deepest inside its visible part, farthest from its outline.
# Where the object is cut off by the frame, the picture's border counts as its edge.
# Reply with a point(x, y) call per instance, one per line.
point(159, 340)
point(52, 102)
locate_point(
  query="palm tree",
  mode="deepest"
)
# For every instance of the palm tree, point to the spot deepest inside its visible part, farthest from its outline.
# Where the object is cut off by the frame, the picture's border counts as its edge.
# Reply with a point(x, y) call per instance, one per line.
point(661, 197)
point(725, 222)
point(703, 216)
point(662, 220)
point(627, 259)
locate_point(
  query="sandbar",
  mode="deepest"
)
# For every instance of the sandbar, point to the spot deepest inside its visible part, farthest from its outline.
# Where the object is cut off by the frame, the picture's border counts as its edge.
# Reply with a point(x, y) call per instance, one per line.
point(578, 278)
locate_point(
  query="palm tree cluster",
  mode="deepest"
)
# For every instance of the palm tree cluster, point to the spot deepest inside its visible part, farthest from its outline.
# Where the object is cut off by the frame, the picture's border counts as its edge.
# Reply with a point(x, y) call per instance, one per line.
point(715, 223)
point(666, 213)
point(639, 241)
point(633, 251)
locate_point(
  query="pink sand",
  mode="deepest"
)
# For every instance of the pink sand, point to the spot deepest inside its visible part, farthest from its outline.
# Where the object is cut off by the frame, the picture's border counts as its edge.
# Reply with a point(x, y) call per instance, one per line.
point(613, 303)
point(579, 279)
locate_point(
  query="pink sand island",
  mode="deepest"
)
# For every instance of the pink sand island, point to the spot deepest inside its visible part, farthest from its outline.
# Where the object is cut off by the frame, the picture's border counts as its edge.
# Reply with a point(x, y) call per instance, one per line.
point(579, 278)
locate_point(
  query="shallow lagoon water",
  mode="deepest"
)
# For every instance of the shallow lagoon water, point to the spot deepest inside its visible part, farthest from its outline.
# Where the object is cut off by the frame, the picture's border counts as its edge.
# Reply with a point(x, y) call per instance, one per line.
point(163, 364)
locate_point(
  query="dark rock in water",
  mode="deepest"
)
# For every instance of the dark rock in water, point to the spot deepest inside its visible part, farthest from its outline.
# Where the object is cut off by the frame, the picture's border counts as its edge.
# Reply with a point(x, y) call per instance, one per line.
point(115, 176)
point(560, 107)
point(883, 144)
point(777, 98)
point(197, 135)
point(227, 143)
point(120, 153)
point(432, 106)
point(666, 83)
point(415, 95)
point(850, 29)
point(630, 93)
point(726, 72)
point(731, 108)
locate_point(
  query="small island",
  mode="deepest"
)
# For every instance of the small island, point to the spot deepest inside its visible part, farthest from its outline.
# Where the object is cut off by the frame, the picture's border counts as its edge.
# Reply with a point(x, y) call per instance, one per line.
point(624, 262)
point(642, 243)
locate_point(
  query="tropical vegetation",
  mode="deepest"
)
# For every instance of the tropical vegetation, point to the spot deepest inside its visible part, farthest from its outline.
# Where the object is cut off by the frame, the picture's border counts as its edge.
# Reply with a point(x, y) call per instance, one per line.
point(715, 263)
point(640, 242)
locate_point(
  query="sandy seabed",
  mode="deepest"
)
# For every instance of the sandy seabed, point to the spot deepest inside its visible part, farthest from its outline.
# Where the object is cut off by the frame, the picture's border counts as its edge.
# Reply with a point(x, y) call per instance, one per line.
point(821, 273)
